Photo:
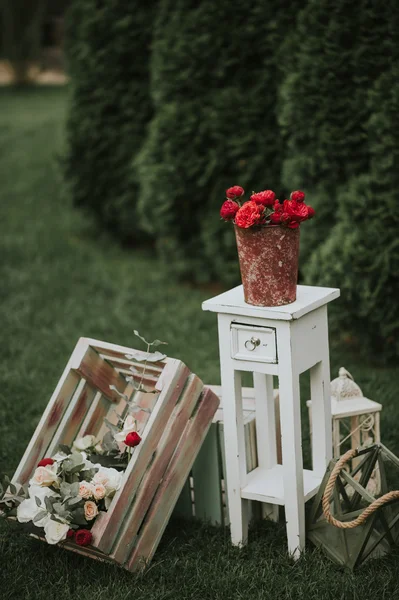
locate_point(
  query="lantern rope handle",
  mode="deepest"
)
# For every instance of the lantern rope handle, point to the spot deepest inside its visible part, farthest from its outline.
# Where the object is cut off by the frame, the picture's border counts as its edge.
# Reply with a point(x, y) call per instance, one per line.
point(367, 512)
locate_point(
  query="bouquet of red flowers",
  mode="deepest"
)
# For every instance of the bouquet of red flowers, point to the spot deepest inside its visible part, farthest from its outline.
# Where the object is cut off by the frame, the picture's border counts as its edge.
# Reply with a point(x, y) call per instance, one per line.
point(263, 209)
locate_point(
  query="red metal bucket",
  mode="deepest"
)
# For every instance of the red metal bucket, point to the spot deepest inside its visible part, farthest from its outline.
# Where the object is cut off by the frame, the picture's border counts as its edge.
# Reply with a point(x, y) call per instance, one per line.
point(269, 264)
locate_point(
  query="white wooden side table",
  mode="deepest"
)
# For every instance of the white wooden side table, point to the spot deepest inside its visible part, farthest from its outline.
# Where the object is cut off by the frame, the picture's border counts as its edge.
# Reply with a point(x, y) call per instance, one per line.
point(284, 341)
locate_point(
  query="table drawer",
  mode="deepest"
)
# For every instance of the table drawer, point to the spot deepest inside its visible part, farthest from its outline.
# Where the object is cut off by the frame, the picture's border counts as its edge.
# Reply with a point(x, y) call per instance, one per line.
point(254, 343)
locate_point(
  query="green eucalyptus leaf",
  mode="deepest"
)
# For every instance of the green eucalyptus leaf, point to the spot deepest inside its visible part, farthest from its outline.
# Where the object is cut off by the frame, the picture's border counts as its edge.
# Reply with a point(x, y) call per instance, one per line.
point(65, 449)
point(158, 343)
point(88, 474)
point(74, 489)
point(136, 333)
point(77, 469)
point(78, 516)
point(65, 489)
point(40, 515)
point(49, 505)
point(76, 500)
point(38, 501)
point(13, 489)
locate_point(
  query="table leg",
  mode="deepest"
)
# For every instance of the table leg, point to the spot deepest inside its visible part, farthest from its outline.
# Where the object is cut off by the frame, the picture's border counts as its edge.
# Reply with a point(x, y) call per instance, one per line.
point(266, 432)
point(234, 440)
point(291, 442)
point(321, 415)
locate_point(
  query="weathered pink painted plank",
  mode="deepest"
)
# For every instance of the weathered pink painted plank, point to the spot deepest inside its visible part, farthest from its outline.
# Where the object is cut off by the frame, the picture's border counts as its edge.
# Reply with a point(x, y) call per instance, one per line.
point(68, 428)
point(152, 477)
point(46, 428)
point(173, 481)
point(100, 374)
point(94, 418)
point(119, 360)
point(171, 383)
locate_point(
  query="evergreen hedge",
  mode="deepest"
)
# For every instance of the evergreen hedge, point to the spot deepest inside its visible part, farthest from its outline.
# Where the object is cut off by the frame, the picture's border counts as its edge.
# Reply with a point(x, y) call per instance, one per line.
point(361, 255)
point(108, 46)
point(341, 48)
point(215, 76)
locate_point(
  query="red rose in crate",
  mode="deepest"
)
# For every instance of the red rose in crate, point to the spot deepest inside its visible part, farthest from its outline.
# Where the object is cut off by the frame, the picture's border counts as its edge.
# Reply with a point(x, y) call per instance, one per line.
point(70, 533)
point(298, 196)
point(132, 439)
point(234, 192)
point(250, 214)
point(266, 198)
point(45, 462)
point(83, 537)
point(229, 210)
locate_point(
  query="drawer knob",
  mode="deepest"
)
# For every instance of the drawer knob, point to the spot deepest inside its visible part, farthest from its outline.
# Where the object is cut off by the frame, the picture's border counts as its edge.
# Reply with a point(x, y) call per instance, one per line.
point(252, 343)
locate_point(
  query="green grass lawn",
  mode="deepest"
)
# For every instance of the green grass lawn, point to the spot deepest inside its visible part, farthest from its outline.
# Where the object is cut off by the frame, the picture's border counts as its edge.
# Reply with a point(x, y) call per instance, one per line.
point(60, 278)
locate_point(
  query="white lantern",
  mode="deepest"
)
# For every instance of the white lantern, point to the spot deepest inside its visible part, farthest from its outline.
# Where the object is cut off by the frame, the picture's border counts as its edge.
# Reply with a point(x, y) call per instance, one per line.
point(355, 419)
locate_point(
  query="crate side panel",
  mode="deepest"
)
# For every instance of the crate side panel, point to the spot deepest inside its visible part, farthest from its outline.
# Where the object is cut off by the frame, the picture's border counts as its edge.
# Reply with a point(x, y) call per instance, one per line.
point(172, 382)
point(151, 480)
point(175, 476)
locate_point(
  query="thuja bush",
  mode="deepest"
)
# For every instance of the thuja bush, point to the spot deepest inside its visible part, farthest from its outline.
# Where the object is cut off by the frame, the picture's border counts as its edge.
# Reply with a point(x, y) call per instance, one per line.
point(108, 48)
point(341, 48)
point(361, 255)
point(215, 76)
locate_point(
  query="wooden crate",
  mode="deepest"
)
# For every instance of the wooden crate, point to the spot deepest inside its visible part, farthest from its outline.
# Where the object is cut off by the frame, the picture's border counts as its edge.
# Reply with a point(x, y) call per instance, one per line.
point(204, 494)
point(181, 413)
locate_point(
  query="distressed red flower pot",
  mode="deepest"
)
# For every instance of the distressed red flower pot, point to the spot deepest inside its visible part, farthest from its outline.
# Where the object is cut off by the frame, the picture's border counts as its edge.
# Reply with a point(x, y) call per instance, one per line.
point(268, 259)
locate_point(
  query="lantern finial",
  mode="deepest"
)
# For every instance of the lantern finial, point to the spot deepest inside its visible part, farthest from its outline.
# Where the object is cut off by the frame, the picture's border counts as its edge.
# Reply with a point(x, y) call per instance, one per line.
point(344, 386)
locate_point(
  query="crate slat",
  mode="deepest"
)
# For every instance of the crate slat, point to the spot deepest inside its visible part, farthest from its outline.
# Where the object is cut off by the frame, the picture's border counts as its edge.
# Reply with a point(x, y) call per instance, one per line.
point(152, 477)
point(70, 423)
point(101, 375)
point(173, 481)
point(48, 424)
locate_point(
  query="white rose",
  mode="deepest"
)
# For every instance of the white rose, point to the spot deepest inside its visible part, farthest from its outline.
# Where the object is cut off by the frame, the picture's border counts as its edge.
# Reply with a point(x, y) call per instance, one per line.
point(128, 426)
point(83, 443)
point(91, 510)
point(110, 478)
point(28, 509)
point(37, 491)
point(55, 532)
point(45, 476)
point(99, 491)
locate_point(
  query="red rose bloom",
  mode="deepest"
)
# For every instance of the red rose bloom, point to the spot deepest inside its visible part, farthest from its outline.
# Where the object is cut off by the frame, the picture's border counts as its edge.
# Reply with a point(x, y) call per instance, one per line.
point(228, 210)
point(297, 211)
point(132, 439)
point(293, 225)
point(275, 218)
point(234, 192)
point(83, 537)
point(266, 198)
point(250, 214)
point(311, 212)
point(298, 196)
point(70, 533)
point(45, 461)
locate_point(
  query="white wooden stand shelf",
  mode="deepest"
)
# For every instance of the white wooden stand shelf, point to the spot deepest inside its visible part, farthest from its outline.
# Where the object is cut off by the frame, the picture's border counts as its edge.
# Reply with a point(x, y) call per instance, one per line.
point(284, 341)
